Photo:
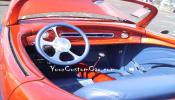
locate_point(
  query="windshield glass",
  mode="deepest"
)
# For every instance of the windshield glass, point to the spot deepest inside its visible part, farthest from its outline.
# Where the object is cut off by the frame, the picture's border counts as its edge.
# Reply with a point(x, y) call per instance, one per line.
point(118, 10)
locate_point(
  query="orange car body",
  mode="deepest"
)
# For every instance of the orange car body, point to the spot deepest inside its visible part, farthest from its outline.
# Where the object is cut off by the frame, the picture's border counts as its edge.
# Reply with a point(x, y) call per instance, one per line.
point(19, 80)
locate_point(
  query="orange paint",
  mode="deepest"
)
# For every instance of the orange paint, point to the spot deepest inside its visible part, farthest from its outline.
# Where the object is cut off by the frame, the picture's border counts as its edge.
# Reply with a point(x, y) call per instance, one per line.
point(94, 75)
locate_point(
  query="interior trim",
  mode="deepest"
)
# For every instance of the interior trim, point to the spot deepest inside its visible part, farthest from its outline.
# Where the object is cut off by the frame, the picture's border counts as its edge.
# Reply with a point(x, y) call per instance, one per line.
point(23, 69)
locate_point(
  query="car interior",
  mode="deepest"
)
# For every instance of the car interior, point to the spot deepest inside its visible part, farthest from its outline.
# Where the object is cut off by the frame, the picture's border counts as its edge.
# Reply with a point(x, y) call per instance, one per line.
point(134, 68)
point(88, 49)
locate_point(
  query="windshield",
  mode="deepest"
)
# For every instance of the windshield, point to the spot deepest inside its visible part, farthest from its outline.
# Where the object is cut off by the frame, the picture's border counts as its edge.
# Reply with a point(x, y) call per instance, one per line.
point(76, 15)
point(117, 10)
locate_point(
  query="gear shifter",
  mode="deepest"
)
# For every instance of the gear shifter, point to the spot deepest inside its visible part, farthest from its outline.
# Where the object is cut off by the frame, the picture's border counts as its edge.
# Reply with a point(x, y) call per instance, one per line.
point(100, 56)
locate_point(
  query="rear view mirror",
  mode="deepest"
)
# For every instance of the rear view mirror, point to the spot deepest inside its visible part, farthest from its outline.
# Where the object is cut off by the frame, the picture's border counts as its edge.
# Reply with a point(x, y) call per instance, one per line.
point(141, 13)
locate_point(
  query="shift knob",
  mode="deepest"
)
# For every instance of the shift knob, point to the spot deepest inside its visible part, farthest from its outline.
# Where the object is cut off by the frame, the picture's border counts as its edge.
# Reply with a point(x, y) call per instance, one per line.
point(101, 54)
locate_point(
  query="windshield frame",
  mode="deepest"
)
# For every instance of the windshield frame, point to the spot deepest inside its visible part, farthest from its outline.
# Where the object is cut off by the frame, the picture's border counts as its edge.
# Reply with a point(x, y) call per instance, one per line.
point(75, 15)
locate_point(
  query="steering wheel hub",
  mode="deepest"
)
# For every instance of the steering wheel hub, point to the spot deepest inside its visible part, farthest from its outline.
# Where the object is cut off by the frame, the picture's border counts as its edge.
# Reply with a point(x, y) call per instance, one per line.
point(62, 45)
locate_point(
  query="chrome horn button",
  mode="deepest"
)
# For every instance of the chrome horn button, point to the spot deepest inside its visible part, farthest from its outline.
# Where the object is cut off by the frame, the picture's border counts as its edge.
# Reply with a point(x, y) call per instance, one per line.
point(62, 45)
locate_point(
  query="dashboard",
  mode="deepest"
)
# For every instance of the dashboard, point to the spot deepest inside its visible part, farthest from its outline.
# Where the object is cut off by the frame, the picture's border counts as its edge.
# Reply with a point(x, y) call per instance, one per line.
point(96, 36)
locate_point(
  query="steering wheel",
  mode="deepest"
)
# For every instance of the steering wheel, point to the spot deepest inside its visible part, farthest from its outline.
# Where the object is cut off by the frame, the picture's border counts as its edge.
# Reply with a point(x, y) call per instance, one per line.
point(60, 44)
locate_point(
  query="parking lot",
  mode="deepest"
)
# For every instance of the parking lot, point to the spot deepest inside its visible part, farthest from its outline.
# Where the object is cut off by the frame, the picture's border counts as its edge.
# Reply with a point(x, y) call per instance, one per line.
point(3, 9)
point(163, 21)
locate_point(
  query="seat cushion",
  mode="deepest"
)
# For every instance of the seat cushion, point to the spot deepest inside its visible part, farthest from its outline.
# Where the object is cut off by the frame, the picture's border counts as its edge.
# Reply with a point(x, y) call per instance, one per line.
point(162, 86)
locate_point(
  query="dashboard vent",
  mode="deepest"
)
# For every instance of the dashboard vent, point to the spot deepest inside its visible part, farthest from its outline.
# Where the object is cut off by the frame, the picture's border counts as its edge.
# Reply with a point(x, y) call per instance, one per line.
point(91, 35)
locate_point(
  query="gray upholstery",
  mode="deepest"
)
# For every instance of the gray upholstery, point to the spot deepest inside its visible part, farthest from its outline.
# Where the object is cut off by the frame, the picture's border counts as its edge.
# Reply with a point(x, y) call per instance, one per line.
point(162, 86)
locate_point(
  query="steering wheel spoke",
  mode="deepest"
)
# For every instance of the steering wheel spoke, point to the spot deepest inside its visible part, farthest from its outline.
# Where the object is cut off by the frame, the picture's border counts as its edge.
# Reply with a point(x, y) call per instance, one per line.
point(54, 29)
point(56, 56)
point(74, 55)
point(44, 42)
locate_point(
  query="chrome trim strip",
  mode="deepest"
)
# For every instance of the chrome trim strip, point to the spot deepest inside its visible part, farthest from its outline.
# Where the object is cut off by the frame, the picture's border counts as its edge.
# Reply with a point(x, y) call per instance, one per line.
point(91, 35)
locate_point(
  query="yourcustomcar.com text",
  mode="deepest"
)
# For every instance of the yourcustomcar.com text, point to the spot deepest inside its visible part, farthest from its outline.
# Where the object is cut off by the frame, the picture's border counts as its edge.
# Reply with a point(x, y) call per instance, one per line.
point(76, 69)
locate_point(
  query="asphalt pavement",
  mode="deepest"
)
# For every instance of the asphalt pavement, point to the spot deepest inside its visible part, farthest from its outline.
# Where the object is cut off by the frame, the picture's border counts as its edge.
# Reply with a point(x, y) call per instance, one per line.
point(163, 21)
point(3, 9)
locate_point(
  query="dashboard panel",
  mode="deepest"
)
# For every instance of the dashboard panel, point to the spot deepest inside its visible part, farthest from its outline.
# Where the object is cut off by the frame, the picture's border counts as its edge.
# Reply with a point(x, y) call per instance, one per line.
point(96, 36)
